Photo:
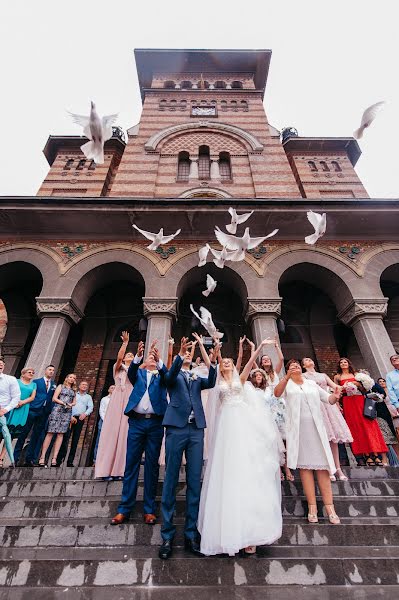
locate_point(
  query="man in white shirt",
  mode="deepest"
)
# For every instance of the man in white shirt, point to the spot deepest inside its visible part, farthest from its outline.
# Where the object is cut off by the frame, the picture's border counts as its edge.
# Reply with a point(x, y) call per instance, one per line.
point(10, 393)
point(102, 412)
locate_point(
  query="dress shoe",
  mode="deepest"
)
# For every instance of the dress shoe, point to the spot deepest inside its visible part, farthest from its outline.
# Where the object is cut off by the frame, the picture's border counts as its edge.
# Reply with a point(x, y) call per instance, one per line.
point(165, 550)
point(28, 463)
point(119, 519)
point(192, 546)
point(69, 464)
point(150, 519)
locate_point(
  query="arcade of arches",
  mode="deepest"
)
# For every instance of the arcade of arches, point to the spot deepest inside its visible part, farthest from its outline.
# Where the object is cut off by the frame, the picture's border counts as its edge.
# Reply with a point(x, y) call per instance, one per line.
point(318, 306)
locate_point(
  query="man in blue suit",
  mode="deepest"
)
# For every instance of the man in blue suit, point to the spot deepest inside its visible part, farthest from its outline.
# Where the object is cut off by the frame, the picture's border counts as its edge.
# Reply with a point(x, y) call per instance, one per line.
point(145, 409)
point(39, 410)
point(185, 423)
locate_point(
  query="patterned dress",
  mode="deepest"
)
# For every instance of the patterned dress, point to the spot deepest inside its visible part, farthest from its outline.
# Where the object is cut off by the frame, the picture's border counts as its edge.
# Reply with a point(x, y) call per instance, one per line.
point(60, 417)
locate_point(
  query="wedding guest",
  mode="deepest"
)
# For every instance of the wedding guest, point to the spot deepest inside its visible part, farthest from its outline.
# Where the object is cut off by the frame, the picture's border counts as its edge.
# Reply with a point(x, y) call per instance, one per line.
point(272, 372)
point(10, 394)
point(392, 381)
point(102, 411)
point(394, 412)
point(367, 438)
point(39, 411)
point(82, 409)
point(17, 417)
point(337, 430)
point(308, 448)
point(384, 420)
point(111, 453)
point(60, 417)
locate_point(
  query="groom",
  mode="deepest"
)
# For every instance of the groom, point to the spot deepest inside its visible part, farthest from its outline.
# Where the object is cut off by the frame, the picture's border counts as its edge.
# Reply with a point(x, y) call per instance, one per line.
point(185, 422)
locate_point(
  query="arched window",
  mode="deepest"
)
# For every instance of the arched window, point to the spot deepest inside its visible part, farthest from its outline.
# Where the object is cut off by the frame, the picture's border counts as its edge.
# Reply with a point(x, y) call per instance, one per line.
point(336, 165)
point(81, 164)
point(236, 85)
point(204, 163)
point(183, 104)
point(203, 85)
point(324, 166)
point(183, 167)
point(186, 85)
point(169, 85)
point(223, 105)
point(220, 85)
point(163, 104)
point(312, 165)
point(244, 105)
point(225, 166)
point(68, 164)
point(172, 105)
point(234, 105)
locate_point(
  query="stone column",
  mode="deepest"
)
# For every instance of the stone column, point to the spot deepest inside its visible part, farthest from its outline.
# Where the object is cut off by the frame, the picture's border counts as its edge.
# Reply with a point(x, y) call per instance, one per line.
point(365, 317)
point(159, 314)
point(262, 315)
point(193, 169)
point(215, 173)
point(57, 316)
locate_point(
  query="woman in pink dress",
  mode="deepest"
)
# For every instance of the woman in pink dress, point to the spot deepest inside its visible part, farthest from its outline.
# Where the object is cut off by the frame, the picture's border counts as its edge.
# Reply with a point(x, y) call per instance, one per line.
point(111, 453)
point(337, 429)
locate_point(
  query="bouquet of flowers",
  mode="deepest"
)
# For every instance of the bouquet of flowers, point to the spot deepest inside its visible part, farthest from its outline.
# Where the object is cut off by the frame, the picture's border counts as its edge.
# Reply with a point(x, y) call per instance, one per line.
point(351, 389)
point(366, 381)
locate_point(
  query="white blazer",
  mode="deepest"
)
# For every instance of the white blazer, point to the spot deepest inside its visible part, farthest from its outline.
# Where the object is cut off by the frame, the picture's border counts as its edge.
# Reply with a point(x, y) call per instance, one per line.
point(294, 394)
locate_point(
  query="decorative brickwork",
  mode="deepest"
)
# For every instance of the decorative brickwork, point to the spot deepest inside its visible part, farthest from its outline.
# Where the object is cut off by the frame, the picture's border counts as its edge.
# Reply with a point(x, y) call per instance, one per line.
point(190, 142)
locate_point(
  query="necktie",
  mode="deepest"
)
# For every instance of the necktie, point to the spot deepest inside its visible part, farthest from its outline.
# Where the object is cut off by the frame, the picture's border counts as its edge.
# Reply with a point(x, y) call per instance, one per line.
point(47, 384)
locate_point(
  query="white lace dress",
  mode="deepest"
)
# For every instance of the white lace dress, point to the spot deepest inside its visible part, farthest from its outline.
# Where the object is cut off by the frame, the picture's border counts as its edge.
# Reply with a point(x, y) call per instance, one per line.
point(241, 494)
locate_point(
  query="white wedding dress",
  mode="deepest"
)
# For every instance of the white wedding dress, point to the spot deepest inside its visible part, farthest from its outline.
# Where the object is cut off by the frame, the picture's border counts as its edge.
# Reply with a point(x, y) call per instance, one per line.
point(241, 493)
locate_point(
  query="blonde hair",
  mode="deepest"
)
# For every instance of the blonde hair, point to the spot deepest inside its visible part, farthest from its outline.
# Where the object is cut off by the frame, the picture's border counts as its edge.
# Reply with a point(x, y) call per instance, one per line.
point(73, 386)
point(221, 368)
point(26, 369)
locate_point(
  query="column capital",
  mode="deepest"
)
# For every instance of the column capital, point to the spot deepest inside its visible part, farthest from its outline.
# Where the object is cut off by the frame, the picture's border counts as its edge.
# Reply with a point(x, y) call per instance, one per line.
point(375, 308)
point(59, 307)
point(160, 306)
point(263, 307)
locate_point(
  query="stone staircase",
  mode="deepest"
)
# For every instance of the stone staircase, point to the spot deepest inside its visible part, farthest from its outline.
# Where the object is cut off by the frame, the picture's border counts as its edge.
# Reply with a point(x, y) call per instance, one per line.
point(57, 543)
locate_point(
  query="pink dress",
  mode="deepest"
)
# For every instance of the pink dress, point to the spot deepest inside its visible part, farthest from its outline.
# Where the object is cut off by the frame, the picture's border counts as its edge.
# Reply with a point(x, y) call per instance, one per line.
point(111, 453)
point(335, 424)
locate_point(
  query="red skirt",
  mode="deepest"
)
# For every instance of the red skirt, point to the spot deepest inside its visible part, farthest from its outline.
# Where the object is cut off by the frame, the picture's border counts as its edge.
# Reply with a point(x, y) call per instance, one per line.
point(367, 436)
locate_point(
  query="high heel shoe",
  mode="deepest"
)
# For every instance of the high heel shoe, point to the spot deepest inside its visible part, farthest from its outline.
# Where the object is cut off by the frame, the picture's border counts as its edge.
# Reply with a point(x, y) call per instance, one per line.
point(332, 516)
point(333, 478)
point(341, 475)
point(312, 514)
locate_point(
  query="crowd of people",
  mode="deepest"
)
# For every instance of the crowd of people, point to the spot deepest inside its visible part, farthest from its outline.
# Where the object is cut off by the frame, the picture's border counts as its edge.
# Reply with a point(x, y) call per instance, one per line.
point(259, 422)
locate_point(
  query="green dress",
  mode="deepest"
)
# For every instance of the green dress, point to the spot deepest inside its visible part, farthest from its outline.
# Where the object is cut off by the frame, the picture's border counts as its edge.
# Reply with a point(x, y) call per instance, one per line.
point(17, 417)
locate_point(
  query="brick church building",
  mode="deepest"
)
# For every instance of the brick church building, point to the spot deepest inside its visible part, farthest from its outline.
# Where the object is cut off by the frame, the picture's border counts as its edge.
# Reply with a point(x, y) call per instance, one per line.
point(74, 273)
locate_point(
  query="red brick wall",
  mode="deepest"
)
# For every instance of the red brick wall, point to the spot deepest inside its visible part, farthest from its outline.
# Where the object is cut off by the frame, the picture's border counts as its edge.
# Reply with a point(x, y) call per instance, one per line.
point(327, 359)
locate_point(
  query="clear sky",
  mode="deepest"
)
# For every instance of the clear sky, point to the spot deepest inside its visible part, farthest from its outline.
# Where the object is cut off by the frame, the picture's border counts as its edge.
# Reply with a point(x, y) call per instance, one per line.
point(330, 61)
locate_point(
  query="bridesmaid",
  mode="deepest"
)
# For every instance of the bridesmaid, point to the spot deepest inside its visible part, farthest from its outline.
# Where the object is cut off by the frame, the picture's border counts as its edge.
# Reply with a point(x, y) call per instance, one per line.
point(111, 453)
point(367, 437)
point(337, 430)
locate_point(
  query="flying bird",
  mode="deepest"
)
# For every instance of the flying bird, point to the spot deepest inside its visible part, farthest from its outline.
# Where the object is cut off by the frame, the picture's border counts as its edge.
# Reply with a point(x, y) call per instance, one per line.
point(222, 255)
point(241, 244)
point(202, 255)
point(368, 117)
point(98, 130)
point(207, 322)
point(157, 239)
point(237, 220)
point(210, 285)
point(319, 223)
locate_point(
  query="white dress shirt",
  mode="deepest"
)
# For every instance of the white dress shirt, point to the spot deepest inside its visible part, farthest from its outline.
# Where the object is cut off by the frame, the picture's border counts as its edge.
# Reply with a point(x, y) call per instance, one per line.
point(104, 406)
point(10, 393)
point(144, 407)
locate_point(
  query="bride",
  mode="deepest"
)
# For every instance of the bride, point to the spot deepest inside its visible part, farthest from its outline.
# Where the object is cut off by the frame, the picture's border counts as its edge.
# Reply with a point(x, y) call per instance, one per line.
point(240, 505)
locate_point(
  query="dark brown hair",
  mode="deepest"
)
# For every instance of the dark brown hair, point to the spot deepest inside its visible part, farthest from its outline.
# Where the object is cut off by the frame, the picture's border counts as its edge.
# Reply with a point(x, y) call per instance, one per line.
point(350, 365)
point(291, 362)
point(252, 379)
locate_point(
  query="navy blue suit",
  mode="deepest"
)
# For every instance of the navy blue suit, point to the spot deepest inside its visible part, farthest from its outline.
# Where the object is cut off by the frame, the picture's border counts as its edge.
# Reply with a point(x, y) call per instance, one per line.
point(39, 411)
point(182, 436)
point(144, 435)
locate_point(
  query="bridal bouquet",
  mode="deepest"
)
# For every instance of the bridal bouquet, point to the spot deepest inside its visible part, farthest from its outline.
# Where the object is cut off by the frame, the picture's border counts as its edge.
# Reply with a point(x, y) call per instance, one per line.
point(366, 381)
point(351, 389)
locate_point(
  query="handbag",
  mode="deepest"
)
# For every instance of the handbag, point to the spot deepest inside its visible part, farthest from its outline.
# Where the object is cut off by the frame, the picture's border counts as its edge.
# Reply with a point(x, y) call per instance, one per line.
point(370, 408)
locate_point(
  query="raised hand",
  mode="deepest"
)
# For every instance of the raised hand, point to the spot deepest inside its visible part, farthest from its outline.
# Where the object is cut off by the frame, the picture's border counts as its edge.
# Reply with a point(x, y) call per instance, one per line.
point(269, 342)
point(185, 346)
point(242, 340)
point(198, 339)
point(140, 349)
point(251, 345)
point(155, 353)
point(125, 337)
point(171, 341)
point(153, 344)
point(294, 368)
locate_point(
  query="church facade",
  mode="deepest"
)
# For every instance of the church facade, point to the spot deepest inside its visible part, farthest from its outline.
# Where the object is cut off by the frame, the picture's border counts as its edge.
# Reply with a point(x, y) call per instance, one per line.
point(74, 273)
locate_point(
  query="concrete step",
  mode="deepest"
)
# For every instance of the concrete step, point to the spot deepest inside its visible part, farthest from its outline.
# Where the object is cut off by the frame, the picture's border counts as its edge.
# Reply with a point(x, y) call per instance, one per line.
point(84, 533)
point(190, 571)
point(94, 507)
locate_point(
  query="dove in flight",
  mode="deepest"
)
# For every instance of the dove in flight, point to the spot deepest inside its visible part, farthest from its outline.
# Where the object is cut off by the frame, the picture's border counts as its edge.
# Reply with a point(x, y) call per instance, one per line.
point(240, 244)
point(157, 239)
point(319, 223)
point(222, 255)
point(202, 254)
point(207, 322)
point(210, 285)
point(237, 220)
point(368, 117)
point(98, 130)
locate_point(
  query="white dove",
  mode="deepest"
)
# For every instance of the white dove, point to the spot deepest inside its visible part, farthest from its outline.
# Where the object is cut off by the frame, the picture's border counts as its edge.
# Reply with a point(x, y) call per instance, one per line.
point(222, 255)
point(157, 239)
point(237, 219)
point(368, 117)
point(241, 244)
point(202, 255)
point(97, 130)
point(207, 322)
point(319, 223)
point(210, 285)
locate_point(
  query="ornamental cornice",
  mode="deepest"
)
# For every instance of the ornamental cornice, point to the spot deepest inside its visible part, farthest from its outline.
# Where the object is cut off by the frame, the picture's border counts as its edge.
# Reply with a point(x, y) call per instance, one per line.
point(259, 307)
point(166, 306)
point(358, 309)
point(58, 307)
